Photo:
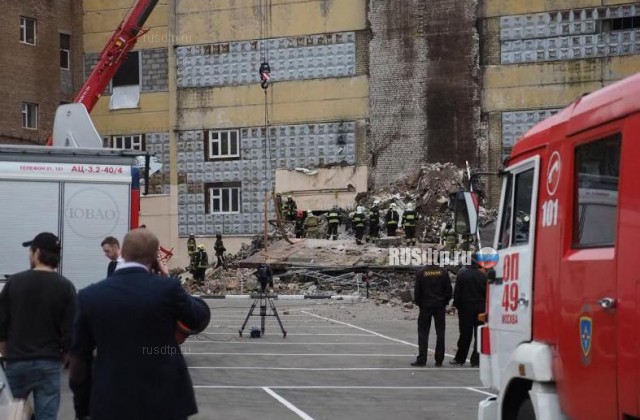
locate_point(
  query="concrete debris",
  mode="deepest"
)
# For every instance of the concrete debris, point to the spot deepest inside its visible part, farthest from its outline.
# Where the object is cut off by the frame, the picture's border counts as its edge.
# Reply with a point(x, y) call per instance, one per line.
point(432, 189)
point(306, 171)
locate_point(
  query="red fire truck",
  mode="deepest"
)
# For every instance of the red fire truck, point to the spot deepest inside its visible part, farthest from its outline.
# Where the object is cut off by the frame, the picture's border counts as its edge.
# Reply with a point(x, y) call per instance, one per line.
point(562, 337)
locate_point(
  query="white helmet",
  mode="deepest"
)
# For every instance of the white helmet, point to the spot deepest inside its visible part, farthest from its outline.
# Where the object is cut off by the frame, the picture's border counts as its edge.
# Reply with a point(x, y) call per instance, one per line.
point(392, 205)
point(376, 202)
point(359, 209)
point(410, 206)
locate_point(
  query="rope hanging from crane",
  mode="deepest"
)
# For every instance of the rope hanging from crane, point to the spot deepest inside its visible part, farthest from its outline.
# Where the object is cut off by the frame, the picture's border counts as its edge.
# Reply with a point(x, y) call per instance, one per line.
point(265, 26)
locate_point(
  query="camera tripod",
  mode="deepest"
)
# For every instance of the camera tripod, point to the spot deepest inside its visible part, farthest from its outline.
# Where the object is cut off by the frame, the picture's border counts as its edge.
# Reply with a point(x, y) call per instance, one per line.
point(264, 299)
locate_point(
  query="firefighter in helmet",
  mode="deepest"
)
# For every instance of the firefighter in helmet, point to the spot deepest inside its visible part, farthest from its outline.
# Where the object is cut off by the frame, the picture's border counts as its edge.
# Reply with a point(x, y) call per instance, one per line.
point(290, 208)
point(333, 220)
point(392, 219)
point(374, 221)
point(313, 226)
point(409, 218)
point(359, 223)
point(201, 261)
point(191, 244)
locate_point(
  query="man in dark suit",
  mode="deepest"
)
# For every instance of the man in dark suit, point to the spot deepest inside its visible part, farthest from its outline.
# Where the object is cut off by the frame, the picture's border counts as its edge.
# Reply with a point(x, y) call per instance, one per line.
point(139, 372)
point(111, 248)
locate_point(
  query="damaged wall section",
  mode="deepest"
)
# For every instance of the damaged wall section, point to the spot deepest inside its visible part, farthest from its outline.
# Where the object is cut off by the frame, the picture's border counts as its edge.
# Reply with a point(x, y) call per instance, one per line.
point(208, 160)
point(424, 86)
point(320, 189)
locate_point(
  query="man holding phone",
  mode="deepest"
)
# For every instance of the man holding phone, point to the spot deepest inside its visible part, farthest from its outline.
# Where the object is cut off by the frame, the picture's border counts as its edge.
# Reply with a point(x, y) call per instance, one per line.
point(128, 319)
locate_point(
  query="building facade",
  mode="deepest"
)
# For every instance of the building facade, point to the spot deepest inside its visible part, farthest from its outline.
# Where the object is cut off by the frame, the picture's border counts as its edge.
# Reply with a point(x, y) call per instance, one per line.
point(540, 56)
point(40, 63)
point(190, 93)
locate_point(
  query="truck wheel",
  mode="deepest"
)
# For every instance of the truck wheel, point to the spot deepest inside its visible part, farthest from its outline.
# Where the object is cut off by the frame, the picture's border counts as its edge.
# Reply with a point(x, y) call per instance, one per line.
point(526, 412)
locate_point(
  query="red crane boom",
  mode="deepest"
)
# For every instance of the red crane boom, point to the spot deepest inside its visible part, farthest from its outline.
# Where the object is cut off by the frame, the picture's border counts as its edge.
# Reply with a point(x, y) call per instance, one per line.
point(114, 53)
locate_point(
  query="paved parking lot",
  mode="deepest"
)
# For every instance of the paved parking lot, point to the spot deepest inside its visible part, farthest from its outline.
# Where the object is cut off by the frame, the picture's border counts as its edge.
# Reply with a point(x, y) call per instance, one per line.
point(338, 361)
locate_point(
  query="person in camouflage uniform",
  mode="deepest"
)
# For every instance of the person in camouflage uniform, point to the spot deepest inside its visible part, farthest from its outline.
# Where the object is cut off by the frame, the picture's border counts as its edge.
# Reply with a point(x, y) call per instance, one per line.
point(191, 245)
point(450, 238)
point(313, 226)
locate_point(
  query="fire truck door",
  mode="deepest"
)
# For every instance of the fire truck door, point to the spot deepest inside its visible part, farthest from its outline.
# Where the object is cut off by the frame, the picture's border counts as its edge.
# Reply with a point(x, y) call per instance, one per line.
point(588, 321)
point(512, 295)
point(628, 308)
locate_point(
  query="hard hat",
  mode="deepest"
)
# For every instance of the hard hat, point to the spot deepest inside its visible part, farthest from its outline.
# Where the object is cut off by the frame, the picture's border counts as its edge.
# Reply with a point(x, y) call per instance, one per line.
point(200, 246)
point(309, 211)
point(289, 196)
point(392, 205)
point(376, 202)
point(359, 209)
point(410, 206)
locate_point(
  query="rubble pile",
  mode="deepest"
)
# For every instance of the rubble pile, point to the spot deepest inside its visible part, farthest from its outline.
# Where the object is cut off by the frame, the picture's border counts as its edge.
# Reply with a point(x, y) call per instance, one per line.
point(431, 188)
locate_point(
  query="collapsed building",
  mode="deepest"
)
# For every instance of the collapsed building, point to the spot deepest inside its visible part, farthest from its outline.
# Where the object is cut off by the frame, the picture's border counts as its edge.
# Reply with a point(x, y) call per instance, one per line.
point(318, 267)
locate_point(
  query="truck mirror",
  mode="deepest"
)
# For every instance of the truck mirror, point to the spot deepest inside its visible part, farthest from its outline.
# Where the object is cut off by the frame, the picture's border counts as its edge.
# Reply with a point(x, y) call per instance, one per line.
point(466, 213)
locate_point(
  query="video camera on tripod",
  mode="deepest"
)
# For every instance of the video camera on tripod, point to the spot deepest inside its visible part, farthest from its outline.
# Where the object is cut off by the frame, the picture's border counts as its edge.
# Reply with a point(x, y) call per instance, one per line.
point(265, 278)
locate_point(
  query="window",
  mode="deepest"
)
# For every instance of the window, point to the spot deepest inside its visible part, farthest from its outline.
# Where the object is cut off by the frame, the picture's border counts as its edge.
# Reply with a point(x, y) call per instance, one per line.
point(129, 72)
point(597, 172)
point(65, 51)
point(224, 144)
point(223, 198)
point(516, 216)
point(620, 24)
point(27, 30)
point(523, 199)
point(132, 142)
point(29, 115)
point(505, 226)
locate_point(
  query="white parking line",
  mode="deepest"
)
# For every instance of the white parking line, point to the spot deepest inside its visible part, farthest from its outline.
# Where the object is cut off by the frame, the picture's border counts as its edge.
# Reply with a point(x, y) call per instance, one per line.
point(296, 326)
point(333, 387)
point(369, 331)
point(481, 392)
point(287, 404)
point(301, 354)
point(323, 369)
point(340, 335)
point(289, 343)
point(361, 329)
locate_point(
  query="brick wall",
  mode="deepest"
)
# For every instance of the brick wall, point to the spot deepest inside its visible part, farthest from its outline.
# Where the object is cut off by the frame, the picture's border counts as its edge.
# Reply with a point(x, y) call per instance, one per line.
point(424, 86)
point(155, 69)
point(32, 73)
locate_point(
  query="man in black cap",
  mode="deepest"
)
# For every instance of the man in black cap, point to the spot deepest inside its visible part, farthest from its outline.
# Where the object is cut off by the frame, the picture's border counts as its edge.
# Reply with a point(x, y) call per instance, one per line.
point(36, 315)
point(432, 295)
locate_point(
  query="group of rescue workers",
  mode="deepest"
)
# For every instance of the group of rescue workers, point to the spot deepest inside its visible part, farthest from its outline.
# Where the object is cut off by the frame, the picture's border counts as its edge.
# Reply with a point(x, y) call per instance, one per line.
point(365, 224)
point(199, 259)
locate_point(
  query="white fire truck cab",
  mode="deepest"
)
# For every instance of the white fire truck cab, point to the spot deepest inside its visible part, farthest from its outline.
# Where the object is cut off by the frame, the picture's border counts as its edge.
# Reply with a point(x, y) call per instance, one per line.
point(562, 337)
